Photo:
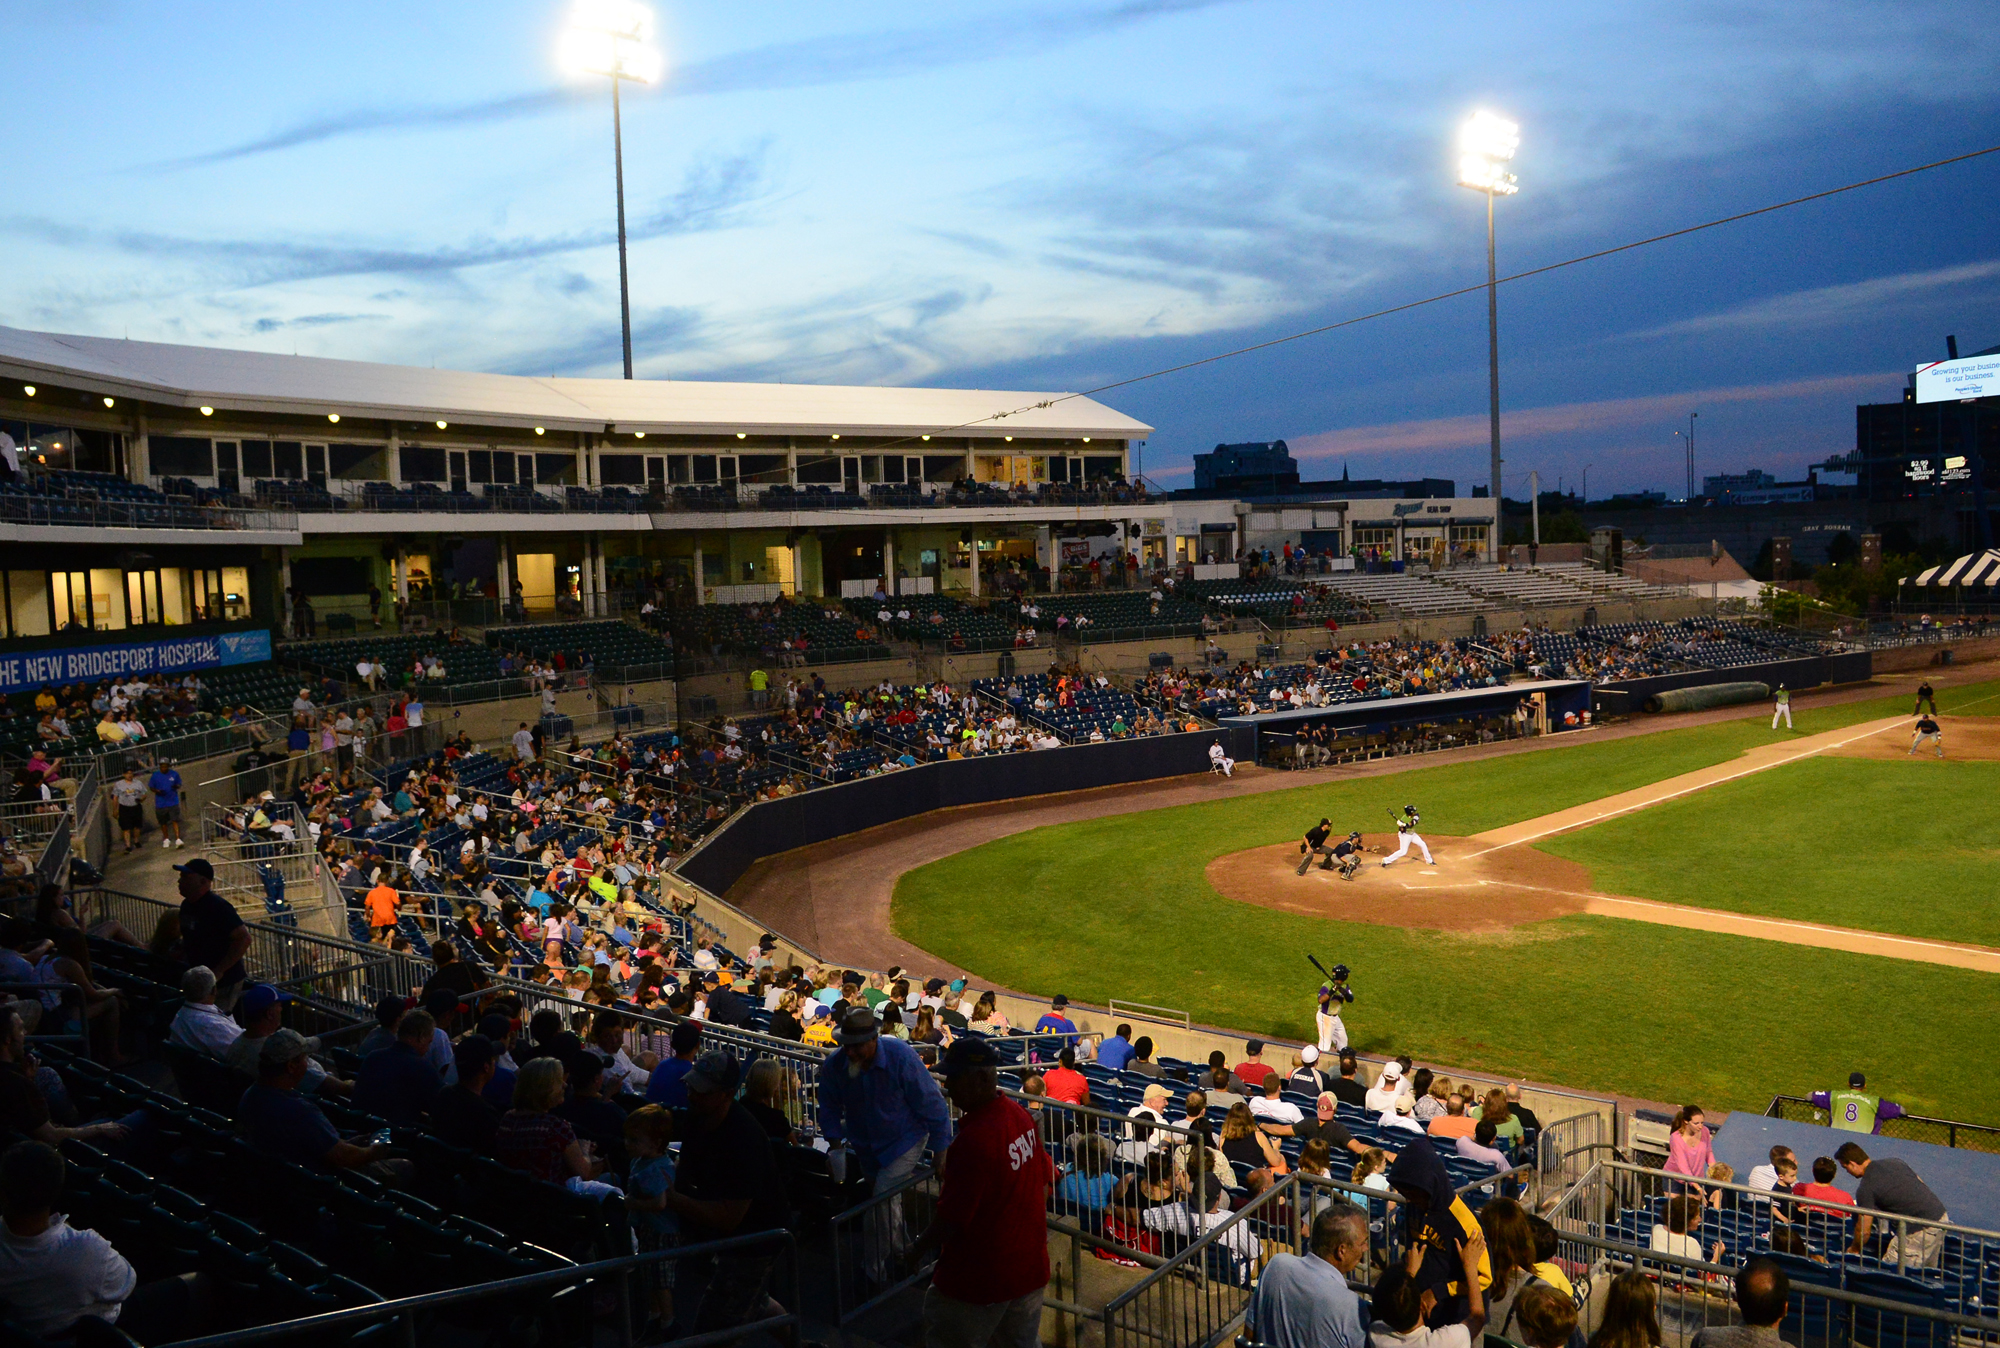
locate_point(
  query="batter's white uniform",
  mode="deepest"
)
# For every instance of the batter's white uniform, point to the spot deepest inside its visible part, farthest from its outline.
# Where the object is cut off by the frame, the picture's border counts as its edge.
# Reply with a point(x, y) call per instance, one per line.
point(1411, 838)
point(1332, 1034)
point(1221, 760)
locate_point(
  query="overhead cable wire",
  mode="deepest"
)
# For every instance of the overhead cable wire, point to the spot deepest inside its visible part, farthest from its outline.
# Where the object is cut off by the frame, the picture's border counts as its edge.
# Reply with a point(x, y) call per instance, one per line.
point(1452, 294)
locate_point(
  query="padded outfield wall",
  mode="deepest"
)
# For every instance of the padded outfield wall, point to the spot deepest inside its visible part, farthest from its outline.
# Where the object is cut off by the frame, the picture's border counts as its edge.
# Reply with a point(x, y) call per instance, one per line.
point(773, 826)
point(1805, 672)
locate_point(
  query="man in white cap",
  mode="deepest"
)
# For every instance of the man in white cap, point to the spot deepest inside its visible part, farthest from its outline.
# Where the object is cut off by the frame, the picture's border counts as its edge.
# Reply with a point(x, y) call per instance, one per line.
point(1306, 1075)
point(1382, 1095)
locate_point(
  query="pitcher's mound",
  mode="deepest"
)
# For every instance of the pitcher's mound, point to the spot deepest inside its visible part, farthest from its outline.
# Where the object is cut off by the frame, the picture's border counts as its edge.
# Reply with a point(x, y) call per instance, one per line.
point(1966, 738)
point(1462, 891)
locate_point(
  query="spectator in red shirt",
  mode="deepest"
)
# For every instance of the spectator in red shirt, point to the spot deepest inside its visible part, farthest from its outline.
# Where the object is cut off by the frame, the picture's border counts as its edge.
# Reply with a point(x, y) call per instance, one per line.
point(990, 1230)
point(1065, 1083)
point(1823, 1189)
point(1253, 1069)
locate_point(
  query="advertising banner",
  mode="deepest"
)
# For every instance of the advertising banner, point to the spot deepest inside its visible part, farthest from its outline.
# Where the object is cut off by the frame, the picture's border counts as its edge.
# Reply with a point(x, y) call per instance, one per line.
point(88, 664)
point(1951, 380)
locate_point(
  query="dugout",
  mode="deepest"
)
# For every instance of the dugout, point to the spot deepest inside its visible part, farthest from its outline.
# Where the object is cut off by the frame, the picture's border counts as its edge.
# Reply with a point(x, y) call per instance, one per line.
point(1392, 718)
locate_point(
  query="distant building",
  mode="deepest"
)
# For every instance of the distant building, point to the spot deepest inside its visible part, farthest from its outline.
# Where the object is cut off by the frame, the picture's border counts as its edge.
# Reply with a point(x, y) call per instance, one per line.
point(1267, 465)
point(1267, 472)
point(1758, 487)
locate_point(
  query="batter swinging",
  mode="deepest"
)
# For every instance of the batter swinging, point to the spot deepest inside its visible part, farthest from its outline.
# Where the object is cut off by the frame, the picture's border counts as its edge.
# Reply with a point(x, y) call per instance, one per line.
point(1407, 827)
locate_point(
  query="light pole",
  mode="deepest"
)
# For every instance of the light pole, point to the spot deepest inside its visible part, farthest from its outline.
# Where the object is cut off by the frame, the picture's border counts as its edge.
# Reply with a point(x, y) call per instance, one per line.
point(1586, 484)
point(1690, 449)
point(1485, 144)
point(614, 38)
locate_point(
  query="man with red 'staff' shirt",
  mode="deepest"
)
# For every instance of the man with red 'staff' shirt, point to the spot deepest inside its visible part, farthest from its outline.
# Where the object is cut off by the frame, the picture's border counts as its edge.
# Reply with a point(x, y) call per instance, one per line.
point(990, 1231)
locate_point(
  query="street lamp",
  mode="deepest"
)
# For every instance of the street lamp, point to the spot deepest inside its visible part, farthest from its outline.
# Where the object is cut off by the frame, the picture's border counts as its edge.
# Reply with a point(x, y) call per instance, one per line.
point(1485, 144)
point(614, 38)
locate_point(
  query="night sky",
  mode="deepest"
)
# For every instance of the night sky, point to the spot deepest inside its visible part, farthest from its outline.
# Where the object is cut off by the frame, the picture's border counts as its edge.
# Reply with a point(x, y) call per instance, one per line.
point(1049, 197)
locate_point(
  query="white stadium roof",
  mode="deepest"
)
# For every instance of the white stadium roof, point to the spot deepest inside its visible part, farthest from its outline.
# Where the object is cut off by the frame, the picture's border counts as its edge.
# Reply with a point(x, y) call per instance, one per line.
point(256, 381)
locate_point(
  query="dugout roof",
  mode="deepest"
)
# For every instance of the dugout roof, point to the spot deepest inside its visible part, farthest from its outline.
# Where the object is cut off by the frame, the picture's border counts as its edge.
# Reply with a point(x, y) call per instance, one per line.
point(1563, 695)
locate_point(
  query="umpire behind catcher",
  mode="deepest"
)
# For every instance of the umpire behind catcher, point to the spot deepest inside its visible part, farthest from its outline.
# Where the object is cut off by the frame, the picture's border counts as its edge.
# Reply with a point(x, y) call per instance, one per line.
point(1315, 846)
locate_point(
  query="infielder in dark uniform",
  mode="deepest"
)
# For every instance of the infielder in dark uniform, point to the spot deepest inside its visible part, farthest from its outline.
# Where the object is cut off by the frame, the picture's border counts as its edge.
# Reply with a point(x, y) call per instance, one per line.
point(1925, 696)
point(1315, 846)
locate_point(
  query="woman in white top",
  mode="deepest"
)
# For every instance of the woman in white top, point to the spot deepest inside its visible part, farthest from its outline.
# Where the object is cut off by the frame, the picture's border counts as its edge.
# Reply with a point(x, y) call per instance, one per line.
point(1674, 1236)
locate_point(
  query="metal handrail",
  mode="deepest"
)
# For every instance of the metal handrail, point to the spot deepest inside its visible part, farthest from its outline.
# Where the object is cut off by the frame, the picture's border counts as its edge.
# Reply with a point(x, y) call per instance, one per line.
point(405, 1309)
point(1988, 1132)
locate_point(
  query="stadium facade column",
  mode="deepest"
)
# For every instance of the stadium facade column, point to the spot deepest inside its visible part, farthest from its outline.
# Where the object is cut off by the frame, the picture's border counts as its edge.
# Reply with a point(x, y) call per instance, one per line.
point(503, 572)
point(597, 550)
point(699, 582)
point(402, 574)
point(395, 466)
point(888, 561)
point(141, 458)
point(974, 551)
point(798, 570)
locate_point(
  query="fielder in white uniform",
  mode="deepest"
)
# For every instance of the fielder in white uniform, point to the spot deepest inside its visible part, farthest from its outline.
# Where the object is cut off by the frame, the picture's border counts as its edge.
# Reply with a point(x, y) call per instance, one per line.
point(1784, 707)
point(1407, 827)
point(1221, 761)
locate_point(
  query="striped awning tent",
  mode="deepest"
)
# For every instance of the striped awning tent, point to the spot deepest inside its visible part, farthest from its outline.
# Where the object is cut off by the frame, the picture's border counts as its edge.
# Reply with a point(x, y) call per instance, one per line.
point(1975, 568)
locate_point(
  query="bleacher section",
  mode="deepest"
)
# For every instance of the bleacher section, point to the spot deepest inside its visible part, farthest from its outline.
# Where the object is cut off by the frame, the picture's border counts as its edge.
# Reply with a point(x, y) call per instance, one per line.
point(940, 623)
point(73, 497)
point(605, 645)
point(1278, 602)
point(1117, 615)
point(464, 662)
point(830, 633)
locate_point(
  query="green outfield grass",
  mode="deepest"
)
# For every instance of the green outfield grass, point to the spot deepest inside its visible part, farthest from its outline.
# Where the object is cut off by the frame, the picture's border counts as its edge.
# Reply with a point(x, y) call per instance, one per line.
point(1119, 907)
point(1907, 847)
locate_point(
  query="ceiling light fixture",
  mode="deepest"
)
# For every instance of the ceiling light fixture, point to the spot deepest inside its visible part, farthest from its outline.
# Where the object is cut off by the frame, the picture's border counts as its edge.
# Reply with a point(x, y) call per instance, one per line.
point(334, 417)
point(208, 411)
point(440, 425)
point(109, 402)
point(29, 389)
point(638, 435)
point(538, 430)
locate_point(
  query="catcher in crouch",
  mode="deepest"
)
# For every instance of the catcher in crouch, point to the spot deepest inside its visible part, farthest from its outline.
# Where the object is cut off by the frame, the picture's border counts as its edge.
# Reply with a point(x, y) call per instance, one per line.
point(1346, 853)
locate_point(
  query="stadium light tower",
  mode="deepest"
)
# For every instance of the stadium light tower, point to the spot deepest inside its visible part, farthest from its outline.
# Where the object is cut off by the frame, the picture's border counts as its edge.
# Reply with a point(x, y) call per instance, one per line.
point(614, 38)
point(1485, 144)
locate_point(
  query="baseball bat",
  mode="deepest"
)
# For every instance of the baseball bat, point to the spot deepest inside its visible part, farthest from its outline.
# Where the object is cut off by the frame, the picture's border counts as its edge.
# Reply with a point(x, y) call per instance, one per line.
point(1321, 967)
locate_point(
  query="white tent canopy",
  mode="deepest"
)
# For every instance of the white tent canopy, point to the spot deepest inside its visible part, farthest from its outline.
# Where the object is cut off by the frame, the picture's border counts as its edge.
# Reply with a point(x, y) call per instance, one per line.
point(1975, 568)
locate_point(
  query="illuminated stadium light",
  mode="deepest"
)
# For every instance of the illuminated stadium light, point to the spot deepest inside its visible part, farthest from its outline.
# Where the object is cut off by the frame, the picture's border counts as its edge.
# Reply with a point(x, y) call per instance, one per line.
point(29, 389)
point(927, 437)
point(440, 425)
point(334, 417)
point(538, 430)
point(835, 437)
point(638, 435)
point(740, 435)
point(614, 39)
point(1486, 144)
point(208, 411)
point(110, 402)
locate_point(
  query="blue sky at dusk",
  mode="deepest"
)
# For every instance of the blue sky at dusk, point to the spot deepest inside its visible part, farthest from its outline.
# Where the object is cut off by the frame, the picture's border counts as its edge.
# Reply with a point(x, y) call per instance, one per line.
point(1048, 196)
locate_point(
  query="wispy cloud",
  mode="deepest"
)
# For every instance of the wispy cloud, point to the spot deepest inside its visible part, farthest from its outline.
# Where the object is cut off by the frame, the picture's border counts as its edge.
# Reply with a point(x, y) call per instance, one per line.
point(1829, 304)
point(1451, 433)
point(710, 195)
point(785, 65)
point(268, 324)
point(363, 120)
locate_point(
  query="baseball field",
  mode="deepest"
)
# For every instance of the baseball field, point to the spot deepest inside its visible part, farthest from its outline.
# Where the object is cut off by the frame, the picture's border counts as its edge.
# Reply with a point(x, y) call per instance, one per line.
point(1756, 912)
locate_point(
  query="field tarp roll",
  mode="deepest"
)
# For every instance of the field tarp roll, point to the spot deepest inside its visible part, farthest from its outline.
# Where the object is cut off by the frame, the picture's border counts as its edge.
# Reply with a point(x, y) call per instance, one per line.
point(1707, 695)
point(773, 826)
point(1807, 671)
